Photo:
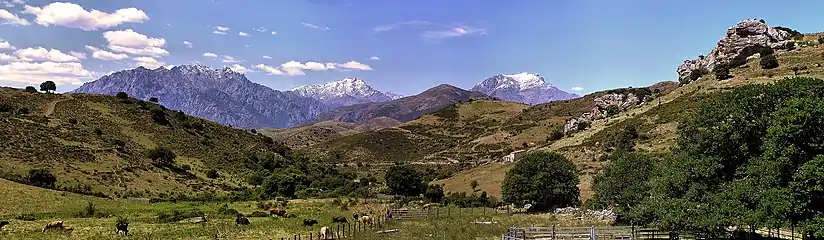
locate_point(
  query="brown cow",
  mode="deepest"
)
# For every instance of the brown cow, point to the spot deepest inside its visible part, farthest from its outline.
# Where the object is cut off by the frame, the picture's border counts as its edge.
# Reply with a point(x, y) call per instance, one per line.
point(58, 225)
point(289, 215)
point(366, 220)
point(278, 212)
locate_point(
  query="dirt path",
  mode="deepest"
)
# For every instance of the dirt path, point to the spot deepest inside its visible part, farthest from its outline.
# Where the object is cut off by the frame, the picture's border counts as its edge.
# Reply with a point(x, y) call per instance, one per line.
point(49, 108)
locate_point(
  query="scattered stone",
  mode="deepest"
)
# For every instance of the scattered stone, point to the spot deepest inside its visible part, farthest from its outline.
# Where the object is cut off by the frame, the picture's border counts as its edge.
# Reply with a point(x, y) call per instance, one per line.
point(588, 214)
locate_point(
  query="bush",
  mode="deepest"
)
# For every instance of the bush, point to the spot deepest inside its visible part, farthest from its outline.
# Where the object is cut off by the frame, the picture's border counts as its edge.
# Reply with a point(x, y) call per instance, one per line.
point(434, 193)
point(26, 217)
point(162, 156)
point(73, 121)
point(90, 211)
point(212, 174)
point(225, 210)
point(97, 131)
point(403, 180)
point(122, 95)
point(122, 220)
point(48, 86)
point(544, 179)
point(41, 178)
point(622, 183)
point(30, 89)
point(768, 62)
point(722, 72)
point(23, 110)
point(821, 40)
point(159, 116)
point(153, 99)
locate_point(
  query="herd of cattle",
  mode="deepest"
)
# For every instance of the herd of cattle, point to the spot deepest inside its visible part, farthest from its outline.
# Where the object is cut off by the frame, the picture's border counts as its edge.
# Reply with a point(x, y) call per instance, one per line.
point(123, 228)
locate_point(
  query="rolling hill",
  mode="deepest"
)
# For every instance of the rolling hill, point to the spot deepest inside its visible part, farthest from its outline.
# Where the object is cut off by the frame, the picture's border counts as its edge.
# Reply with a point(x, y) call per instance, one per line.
point(311, 134)
point(98, 144)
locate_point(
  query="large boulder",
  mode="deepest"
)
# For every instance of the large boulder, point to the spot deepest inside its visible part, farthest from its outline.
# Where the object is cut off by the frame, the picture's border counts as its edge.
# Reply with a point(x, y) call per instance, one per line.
point(742, 40)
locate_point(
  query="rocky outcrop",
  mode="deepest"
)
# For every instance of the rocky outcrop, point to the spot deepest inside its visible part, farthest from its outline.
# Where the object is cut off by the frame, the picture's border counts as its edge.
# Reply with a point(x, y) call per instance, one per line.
point(607, 105)
point(742, 40)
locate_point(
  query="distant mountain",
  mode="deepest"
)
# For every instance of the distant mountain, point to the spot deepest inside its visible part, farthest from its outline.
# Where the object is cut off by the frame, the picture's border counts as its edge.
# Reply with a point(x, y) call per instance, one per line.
point(393, 95)
point(348, 91)
point(220, 95)
point(522, 87)
point(402, 109)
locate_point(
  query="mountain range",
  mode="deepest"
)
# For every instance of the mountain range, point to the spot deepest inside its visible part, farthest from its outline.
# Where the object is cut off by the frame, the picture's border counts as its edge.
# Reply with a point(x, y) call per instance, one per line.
point(229, 98)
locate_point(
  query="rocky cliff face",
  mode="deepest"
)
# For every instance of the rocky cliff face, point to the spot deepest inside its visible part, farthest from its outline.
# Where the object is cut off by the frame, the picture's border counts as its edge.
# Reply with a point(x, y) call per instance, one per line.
point(219, 95)
point(527, 88)
point(611, 103)
point(742, 40)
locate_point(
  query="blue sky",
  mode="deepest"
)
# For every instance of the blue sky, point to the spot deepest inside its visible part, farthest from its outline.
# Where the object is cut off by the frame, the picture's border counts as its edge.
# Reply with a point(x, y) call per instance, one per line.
point(397, 46)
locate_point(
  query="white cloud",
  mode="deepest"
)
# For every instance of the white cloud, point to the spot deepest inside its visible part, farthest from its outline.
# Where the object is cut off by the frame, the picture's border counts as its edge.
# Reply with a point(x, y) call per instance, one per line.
point(452, 32)
point(314, 26)
point(576, 89)
point(18, 1)
point(394, 26)
point(7, 58)
point(42, 54)
point(80, 55)
point(229, 59)
point(219, 32)
point(34, 73)
point(131, 42)
point(295, 68)
point(169, 66)
point(355, 66)
point(267, 57)
point(273, 32)
point(148, 62)
point(211, 55)
point(260, 29)
point(221, 28)
point(7, 17)
point(243, 34)
point(238, 68)
point(188, 44)
point(435, 31)
point(106, 55)
point(74, 16)
point(269, 69)
point(374, 58)
point(6, 45)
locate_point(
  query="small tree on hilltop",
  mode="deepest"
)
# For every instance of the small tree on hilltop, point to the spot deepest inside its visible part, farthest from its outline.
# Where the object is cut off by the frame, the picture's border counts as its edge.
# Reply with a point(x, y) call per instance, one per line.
point(153, 99)
point(544, 179)
point(403, 180)
point(122, 95)
point(159, 116)
point(31, 89)
point(162, 156)
point(41, 178)
point(48, 87)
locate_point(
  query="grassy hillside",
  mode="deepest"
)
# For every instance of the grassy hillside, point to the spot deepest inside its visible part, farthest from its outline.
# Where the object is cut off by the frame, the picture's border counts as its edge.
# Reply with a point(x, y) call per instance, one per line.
point(99, 144)
point(304, 136)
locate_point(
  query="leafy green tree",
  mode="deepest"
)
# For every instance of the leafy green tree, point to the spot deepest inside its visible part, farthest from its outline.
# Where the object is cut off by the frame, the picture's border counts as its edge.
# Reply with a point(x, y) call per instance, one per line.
point(545, 179)
point(768, 61)
point(722, 72)
point(122, 95)
point(153, 99)
point(403, 180)
point(623, 183)
point(159, 116)
point(30, 89)
point(162, 156)
point(434, 193)
point(624, 140)
point(48, 87)
point(41, 178)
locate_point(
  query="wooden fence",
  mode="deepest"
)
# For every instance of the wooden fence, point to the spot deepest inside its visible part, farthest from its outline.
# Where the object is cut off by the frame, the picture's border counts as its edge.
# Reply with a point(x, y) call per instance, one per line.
point(343, 230)
point(623, 233)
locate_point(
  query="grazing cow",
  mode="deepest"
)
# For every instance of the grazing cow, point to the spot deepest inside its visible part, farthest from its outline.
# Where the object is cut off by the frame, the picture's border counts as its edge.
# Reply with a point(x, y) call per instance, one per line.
point(278, 212)
point(309, 222)
point(4, 223)
point(58, 225)
point(289, 215)
point(366, 220)
point(339, 220)
point(240, 220)
point(324, 233)
point(122, 228)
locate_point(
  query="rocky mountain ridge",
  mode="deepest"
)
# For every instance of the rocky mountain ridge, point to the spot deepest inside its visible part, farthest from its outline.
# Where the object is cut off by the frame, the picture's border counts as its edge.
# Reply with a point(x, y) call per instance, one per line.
point(348, 91)
point(530, 88)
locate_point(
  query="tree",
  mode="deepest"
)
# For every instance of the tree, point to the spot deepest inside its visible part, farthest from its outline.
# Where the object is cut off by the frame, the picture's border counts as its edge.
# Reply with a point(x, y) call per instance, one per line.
point(162, 156)
point(159, 116)
point(434, 193)
point(41, 178)
point(403, 180)
point(122, 95)
point(624, 140)
point(622, 183)
point(722, 72)
point(153, 99)
point(821, 40)
point(212, 174)
point(473, 185)
point(31, 89)
point(48, 86)
point(768, 61)
point(544, 179)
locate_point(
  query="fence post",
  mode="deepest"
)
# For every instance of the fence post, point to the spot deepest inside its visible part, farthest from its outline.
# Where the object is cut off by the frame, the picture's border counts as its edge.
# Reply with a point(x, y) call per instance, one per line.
point(553, 231)
point(350, 227)
point(311, 237)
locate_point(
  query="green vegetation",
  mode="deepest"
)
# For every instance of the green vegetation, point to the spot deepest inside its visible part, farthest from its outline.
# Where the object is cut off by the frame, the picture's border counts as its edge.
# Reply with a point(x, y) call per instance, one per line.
point(767, 59)
point(722, 72)
point(41, 178)
point(403, 180)
point(622, 183)
point(153, 99)
point(544, 179)
point(30, 89)
point(48, 87)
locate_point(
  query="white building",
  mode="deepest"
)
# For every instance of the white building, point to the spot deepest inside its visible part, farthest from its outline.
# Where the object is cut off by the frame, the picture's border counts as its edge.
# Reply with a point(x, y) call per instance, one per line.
point(513, 156)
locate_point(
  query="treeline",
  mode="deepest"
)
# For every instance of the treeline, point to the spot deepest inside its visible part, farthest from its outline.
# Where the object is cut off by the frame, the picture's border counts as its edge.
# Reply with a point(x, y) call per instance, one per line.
point(752, 157)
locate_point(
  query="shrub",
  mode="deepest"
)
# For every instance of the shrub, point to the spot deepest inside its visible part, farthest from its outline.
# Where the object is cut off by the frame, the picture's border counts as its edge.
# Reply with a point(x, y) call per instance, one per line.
point(122, 95)
point(544, 179)
point(225, 210)
point(253, 131)
point(23, 110)
point(73, 121)
point(185, 167)
point(403, 180)
point(159, 116)
point(122, 220)
point(162, 156)
point(722, 72)
point(25, 217)
point(41, 178)
point(90, 211)
point(821, 40)
point(153, 99)
point(434, 193)
point(768, 61)
point(30, 89)
point(5, 107)
point(212, 174)
point(98, 131)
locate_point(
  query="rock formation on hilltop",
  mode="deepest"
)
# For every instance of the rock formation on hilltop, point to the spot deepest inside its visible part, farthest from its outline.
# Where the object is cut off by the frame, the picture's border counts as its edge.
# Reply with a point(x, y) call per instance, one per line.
point(348, 91)
point(219, 95)
point(524, 87)
point(744, 39)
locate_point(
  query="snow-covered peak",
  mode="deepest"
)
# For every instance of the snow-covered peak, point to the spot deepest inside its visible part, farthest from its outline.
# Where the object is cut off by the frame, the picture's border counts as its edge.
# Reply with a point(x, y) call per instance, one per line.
point(393, 96)
point(343, 92)
point(524, 80)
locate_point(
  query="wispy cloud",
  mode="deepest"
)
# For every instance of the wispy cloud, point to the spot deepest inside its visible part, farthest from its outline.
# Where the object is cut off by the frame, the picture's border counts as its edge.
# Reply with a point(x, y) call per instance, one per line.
point(322, 28)
point(188, 44)
point(220, 30)
point(576, 89)
point(243, 34)
point(260, 29)
point(295, 68)
point(434, 31)
point(374, 58)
